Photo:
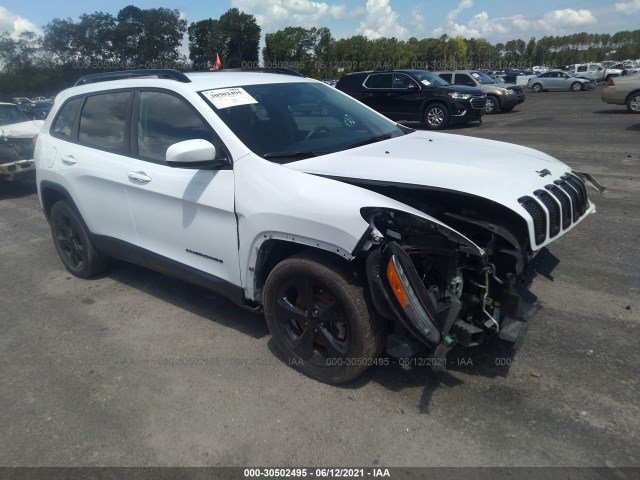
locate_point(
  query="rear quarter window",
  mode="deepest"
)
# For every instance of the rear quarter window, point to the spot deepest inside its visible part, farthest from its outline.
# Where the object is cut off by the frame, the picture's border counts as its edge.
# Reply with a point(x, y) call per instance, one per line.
point(62, 126)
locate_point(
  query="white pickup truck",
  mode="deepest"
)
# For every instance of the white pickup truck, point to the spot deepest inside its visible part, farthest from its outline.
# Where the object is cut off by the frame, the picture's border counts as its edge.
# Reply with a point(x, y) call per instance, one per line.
point(593, 71)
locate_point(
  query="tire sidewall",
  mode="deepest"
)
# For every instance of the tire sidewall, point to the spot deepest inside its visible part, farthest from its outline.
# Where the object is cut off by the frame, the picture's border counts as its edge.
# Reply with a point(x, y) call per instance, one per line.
point(93, 262)
point(357, 326)
point(635, 95)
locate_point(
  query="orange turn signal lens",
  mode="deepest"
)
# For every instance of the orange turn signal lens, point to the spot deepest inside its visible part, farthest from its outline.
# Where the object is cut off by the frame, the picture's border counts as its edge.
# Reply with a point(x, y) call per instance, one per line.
point(396, 285)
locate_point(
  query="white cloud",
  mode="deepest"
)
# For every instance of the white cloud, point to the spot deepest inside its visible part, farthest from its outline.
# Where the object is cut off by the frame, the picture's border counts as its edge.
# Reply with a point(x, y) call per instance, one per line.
point(381, 21)
point(417, 22)
point(628, 8)
point(15, 24)
point(463, 5)
point(278, 14)
point(501, 28)
point(567, 18)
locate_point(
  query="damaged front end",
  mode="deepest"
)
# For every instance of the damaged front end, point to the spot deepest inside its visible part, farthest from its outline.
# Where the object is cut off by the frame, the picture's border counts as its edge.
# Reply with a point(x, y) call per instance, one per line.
point(439, 288)
point(16, 157)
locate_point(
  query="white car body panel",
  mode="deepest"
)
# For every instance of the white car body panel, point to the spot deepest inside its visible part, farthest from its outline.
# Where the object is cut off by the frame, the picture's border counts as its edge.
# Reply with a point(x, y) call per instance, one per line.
point(177, 209)
point(277, 202)
point(501, 172)
point(99, 178)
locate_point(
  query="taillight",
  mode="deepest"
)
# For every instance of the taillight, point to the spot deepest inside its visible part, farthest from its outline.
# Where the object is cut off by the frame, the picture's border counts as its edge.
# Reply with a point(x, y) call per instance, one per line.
point(610, 83)
point(34, 139)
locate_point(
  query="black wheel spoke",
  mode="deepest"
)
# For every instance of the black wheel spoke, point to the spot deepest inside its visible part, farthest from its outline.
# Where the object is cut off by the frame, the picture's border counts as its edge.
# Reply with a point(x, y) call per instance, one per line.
point(335, 347)
point(303, 345)
point(287, 311)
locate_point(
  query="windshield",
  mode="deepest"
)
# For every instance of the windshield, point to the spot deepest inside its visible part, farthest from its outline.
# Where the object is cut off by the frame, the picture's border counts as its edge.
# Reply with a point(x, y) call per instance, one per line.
point(289, 121)
point(10, 114)
point(483, 78)
point(429, 78)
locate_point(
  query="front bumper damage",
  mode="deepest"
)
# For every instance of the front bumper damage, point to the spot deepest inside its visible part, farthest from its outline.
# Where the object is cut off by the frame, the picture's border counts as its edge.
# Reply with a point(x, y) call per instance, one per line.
point(440, 289)
point(16, 157)
point(423, 322)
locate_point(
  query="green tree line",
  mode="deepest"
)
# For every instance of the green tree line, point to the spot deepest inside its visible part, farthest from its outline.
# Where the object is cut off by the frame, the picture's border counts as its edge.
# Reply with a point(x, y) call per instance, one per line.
point(151, 38)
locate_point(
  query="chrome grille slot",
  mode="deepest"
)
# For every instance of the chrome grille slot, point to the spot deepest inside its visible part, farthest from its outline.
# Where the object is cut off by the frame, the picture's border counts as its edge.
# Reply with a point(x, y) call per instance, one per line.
point(575, 201)
point(565, 205)
point(579, 186)
point(539, 217)
point(554, 211)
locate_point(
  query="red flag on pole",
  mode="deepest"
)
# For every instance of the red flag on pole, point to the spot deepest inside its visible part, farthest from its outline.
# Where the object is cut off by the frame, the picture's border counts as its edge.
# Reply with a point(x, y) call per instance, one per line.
point(218, 63)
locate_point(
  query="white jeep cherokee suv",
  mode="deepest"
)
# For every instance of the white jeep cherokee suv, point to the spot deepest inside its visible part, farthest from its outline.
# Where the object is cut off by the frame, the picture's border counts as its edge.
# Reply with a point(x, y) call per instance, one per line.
point(352, 233)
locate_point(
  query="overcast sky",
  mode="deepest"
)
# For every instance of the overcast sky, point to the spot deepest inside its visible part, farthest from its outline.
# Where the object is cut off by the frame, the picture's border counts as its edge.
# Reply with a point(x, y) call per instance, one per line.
point(490, 19)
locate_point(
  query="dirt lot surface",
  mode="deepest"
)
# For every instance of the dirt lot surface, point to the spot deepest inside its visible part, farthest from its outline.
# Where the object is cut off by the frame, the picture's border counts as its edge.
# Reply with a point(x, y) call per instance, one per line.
point(135, 368)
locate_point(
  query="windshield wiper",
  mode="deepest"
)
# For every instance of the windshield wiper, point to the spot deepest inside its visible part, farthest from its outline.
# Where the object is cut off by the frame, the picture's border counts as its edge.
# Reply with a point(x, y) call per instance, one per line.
point(289, 155)
point(367, 141)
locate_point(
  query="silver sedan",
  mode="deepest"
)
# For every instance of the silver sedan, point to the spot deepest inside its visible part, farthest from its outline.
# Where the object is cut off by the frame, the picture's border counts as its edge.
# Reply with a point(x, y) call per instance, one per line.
point(558, 80)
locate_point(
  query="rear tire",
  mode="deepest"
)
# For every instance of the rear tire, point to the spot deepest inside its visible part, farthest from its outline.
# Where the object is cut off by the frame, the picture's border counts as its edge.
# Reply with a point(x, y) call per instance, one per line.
point(320, 319)
point(633, 103)
point(72, 242)
point(436, 116)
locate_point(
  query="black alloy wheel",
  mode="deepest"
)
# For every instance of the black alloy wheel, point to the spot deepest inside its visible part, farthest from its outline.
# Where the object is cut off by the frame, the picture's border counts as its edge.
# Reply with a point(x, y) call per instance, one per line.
point(77, 252)
point(320, 318)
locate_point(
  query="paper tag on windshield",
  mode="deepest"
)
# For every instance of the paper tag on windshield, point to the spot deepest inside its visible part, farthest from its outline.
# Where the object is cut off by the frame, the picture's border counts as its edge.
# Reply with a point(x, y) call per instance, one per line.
point(229, 97)
point(426, 82)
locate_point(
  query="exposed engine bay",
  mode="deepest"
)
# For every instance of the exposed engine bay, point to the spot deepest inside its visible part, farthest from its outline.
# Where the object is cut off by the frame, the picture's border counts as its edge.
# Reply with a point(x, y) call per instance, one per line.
point(445, 287)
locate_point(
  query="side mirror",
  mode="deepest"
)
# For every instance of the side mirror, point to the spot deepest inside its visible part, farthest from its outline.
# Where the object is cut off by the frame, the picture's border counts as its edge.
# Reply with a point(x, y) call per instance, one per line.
point(195, 154)
point(412, 86)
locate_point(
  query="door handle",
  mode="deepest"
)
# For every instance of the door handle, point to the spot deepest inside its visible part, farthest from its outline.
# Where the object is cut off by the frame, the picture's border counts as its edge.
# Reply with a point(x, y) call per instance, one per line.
point(68, 159)
point(139, 177)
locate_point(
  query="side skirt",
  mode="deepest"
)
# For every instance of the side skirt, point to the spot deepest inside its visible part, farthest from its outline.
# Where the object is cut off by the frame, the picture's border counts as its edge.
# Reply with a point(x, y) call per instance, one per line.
point(145, 258)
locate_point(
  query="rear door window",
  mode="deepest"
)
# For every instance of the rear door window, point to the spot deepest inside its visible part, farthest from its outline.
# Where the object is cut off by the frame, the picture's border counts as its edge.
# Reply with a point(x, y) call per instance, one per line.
point(103, 121)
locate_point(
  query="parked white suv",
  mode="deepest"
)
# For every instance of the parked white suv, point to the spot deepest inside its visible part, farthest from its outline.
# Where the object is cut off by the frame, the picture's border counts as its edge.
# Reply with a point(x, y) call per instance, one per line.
point(354, 234)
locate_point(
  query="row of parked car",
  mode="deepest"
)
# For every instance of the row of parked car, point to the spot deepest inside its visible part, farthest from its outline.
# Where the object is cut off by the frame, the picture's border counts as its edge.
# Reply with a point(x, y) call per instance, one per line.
point(438, 99)
point(36, 108)
point(442, 98)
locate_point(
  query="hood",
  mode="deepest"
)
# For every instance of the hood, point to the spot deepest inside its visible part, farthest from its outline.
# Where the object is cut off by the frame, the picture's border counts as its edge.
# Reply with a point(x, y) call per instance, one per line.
point(22, 129)
point(498, 171)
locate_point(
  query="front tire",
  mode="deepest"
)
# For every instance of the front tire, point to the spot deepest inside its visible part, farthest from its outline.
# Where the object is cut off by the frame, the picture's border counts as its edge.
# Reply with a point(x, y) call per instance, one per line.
point(576, 86)
point(72, 242)
point(633, 103)
point(493, 105)
point(536, 87)
point(436, 116)
point(319, 318)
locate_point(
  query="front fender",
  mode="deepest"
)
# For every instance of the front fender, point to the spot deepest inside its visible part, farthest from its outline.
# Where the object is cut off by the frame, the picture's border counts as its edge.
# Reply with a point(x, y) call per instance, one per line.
point(277, 203)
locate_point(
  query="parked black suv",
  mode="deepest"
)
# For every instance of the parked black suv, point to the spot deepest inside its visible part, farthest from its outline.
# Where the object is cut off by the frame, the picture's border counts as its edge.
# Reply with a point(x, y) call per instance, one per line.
point(415, 95)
